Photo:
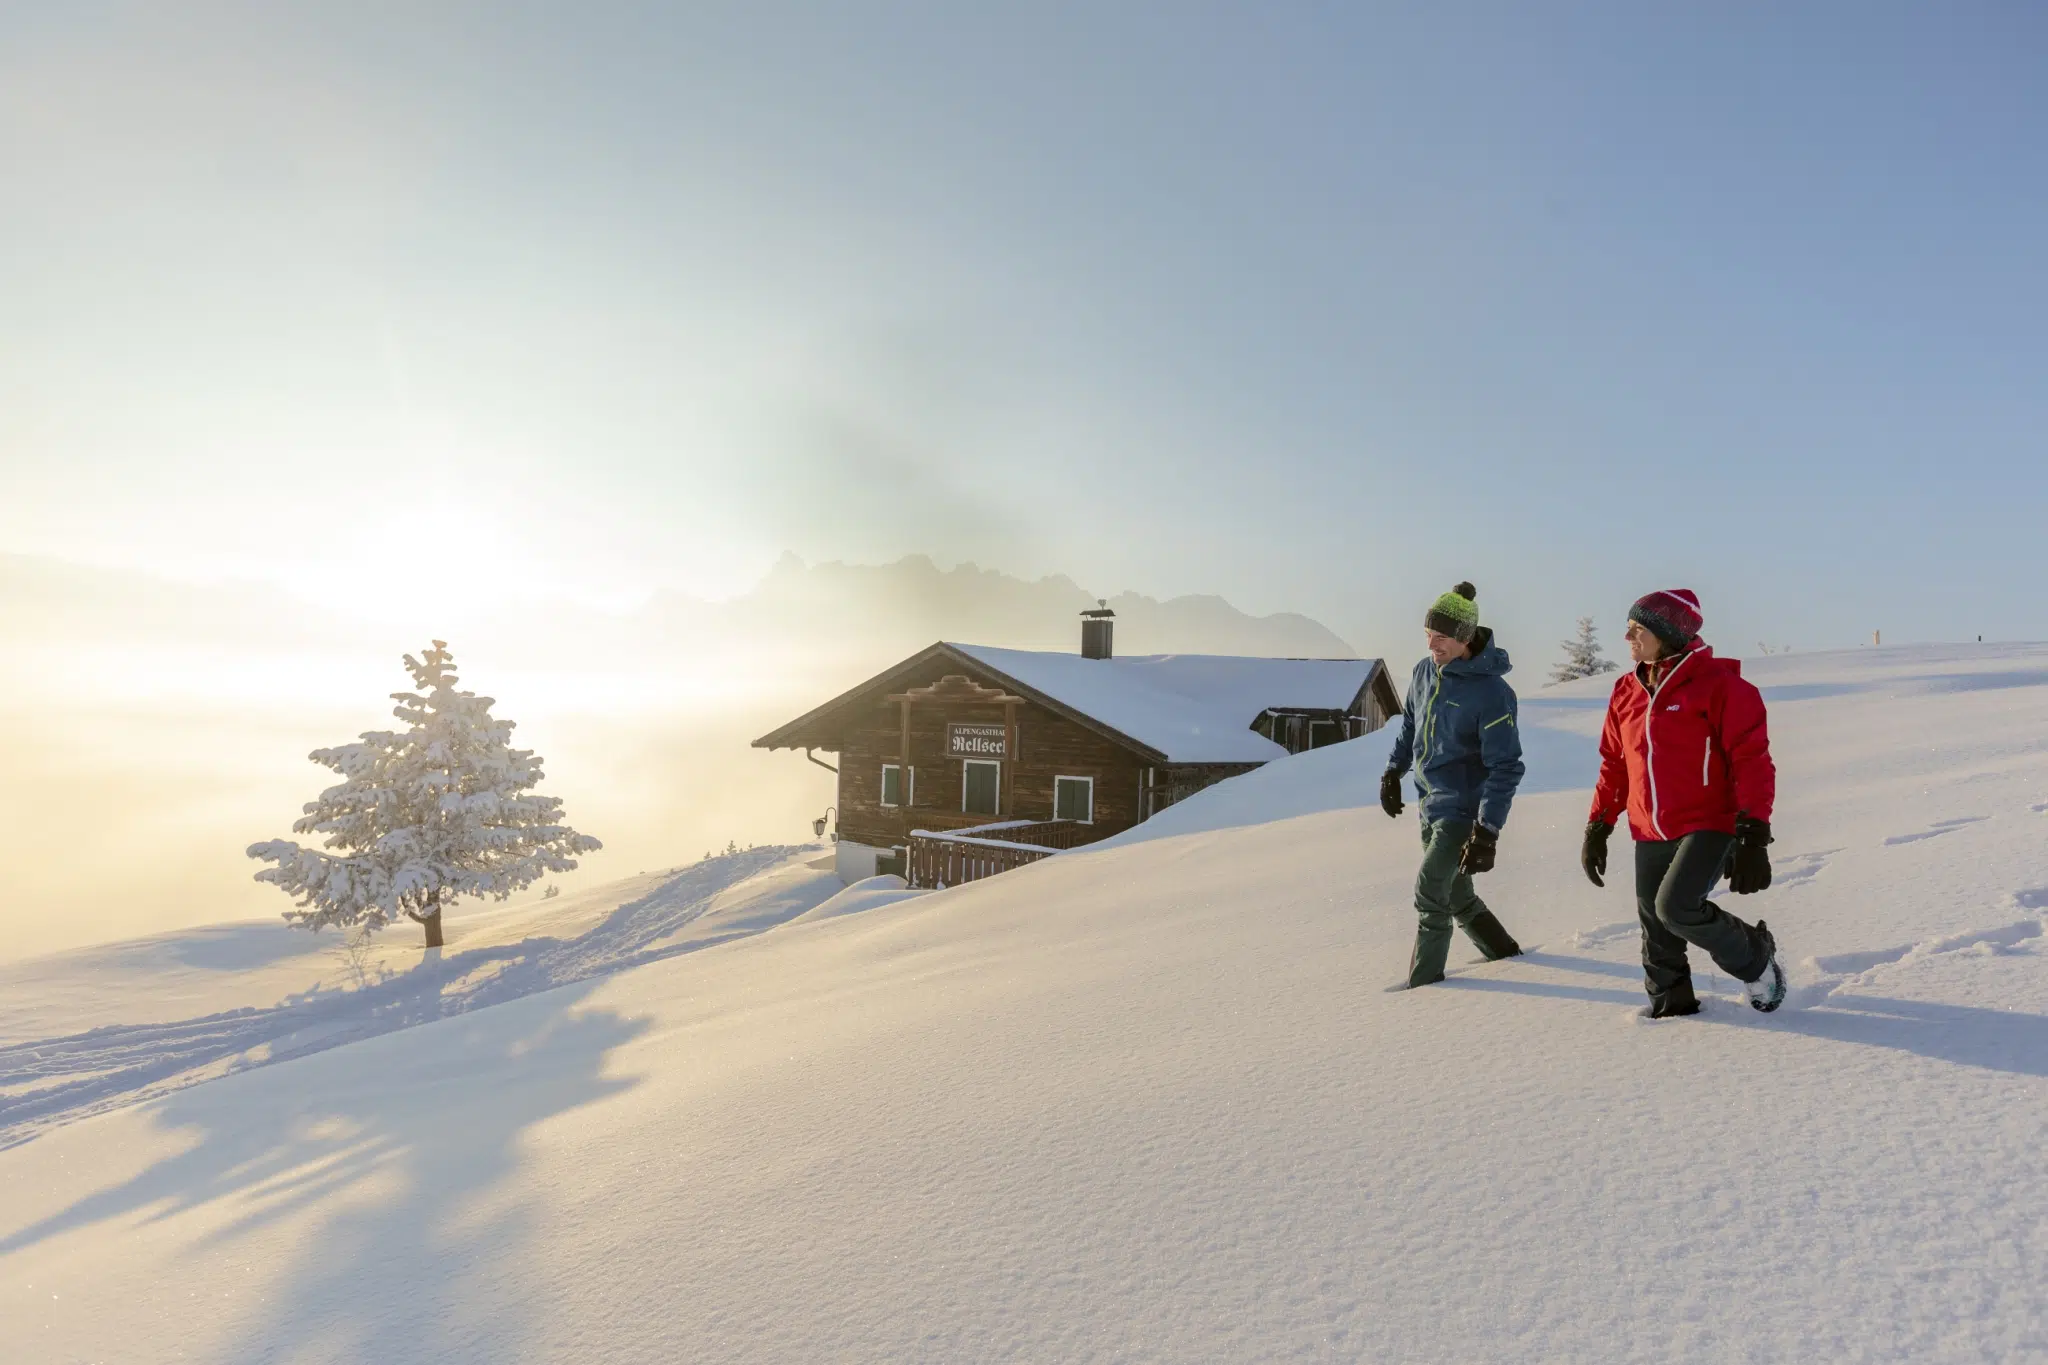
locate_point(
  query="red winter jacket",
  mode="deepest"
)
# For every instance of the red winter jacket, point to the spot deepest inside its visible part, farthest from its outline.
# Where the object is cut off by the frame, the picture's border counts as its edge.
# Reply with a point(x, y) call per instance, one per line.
point(1689, 758)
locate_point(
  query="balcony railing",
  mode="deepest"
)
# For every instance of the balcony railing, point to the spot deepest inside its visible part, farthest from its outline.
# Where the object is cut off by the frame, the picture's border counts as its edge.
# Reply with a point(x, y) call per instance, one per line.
point(966, 855)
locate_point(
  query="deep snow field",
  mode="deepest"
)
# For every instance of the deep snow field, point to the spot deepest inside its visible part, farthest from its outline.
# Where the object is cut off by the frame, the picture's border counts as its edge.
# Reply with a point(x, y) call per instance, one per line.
point(1143, 1102)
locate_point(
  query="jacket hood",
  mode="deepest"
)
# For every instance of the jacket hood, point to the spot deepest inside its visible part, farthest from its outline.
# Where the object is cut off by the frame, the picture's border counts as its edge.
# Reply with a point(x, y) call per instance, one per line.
point(1487, 660)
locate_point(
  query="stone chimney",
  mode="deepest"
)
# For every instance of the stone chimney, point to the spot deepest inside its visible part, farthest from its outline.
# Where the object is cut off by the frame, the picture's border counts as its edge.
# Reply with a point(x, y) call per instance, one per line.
point(1097, 627)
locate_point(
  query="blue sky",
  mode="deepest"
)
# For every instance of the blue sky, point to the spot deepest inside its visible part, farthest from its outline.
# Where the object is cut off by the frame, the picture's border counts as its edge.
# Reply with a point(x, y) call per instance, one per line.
point(1319, 307)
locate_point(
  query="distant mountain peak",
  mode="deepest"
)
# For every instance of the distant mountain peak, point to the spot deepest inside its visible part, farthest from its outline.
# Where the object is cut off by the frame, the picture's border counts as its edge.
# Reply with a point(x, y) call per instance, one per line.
point(912, 601)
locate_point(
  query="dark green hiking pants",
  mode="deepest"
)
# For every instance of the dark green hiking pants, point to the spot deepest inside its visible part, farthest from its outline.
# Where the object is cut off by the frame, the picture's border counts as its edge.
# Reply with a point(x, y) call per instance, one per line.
point(1443, 897)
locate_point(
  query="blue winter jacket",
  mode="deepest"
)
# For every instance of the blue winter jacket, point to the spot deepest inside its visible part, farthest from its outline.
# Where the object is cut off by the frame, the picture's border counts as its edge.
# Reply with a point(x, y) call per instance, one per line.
point(1458, 730)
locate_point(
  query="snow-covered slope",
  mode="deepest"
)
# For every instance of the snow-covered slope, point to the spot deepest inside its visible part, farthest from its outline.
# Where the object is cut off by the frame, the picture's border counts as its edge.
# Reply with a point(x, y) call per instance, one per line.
point(124, 1010)
point(1148, 1102)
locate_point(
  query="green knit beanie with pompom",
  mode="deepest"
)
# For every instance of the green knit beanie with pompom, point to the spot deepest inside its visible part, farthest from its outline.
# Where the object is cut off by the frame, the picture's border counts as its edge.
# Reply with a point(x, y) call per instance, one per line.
point(1455, 614)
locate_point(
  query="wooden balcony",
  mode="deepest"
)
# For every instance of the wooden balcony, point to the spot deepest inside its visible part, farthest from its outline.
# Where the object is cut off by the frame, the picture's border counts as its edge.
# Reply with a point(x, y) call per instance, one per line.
point(940, 859)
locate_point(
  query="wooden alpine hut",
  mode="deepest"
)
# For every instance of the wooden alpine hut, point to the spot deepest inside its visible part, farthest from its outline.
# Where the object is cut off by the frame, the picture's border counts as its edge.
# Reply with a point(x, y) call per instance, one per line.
point(966, 760)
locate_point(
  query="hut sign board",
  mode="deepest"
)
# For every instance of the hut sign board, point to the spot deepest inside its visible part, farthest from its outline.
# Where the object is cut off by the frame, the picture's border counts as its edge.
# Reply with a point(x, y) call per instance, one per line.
point(977, 741)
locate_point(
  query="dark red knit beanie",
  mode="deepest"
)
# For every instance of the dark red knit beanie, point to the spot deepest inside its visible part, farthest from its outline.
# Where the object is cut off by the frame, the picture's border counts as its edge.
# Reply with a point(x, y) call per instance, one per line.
point(1673, 616)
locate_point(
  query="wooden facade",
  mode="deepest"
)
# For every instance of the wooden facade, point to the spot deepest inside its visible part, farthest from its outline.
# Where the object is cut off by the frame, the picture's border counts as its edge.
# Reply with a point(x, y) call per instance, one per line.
point(1048, 746)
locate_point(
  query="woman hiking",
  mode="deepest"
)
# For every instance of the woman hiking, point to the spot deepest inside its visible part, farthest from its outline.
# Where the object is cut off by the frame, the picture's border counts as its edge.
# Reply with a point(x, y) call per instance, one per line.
point(1686, 752)
point(1458, 729)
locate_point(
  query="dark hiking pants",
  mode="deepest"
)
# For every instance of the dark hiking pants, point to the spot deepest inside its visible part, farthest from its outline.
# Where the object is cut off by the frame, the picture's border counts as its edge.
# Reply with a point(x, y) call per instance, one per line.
point(1443, 897)
point(1673, 880)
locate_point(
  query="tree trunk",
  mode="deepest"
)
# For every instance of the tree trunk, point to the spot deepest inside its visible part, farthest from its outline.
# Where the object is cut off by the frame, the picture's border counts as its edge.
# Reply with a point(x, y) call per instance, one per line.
point(432, 922)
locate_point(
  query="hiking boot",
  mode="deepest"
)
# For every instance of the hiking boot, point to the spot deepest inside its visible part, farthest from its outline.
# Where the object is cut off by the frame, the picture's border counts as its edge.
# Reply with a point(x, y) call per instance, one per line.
point(1767, 992)
point(1670, 1009)
point(1492, 936)
point(1405, 984)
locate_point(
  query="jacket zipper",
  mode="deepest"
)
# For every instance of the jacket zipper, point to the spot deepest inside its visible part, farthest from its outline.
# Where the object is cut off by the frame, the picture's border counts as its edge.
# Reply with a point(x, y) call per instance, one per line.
point(1428, 729)
point(1706, 760)
point(1650, 747)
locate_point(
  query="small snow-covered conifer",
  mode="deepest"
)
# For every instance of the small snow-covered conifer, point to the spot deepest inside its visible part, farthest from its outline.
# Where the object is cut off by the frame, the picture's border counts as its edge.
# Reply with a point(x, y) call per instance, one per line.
point(442, 809)
point(1582, 655)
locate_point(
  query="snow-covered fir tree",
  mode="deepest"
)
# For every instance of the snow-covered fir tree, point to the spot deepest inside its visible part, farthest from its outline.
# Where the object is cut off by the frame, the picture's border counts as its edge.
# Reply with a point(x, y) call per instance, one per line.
point(442, 809)
point(1582, 655)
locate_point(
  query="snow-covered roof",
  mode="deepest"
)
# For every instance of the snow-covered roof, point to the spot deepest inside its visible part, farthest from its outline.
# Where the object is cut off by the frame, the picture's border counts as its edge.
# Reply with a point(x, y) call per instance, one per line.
point(1193, 708)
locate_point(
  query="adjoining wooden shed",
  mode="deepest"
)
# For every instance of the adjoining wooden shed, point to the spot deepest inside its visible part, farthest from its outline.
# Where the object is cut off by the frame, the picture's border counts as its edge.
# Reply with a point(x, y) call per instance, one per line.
point(1029, 750)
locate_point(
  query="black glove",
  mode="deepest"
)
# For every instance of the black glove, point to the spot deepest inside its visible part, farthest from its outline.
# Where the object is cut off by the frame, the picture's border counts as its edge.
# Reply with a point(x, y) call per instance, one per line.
point(1749, 866)
point(1479, 851)
point(1390, 794)
point(1593, 853)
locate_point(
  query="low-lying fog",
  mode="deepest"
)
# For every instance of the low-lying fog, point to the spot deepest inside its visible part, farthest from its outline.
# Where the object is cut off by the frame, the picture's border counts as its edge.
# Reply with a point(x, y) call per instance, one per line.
point(151, 730)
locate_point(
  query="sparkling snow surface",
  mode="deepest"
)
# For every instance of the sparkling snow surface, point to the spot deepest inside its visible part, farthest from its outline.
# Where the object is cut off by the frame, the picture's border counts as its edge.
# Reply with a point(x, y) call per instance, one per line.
point(1194, 708)
point(1141, 1103)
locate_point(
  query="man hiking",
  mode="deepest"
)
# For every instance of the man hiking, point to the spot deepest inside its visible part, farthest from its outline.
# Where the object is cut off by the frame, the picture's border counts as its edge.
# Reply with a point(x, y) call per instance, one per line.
point(1686, 752)
point(1458, 729)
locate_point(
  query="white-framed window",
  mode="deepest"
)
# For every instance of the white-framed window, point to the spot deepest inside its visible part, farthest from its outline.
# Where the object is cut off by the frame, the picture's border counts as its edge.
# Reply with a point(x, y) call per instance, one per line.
point(1073, 798)
point(892, 784)
point(981, 782)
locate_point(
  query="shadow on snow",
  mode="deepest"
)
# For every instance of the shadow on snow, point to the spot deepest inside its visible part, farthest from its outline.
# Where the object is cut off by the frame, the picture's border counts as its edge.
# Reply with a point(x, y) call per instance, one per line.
point(404, 1178)
point(1995, 1040)
point(1916, 684)
point(54, 1081)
